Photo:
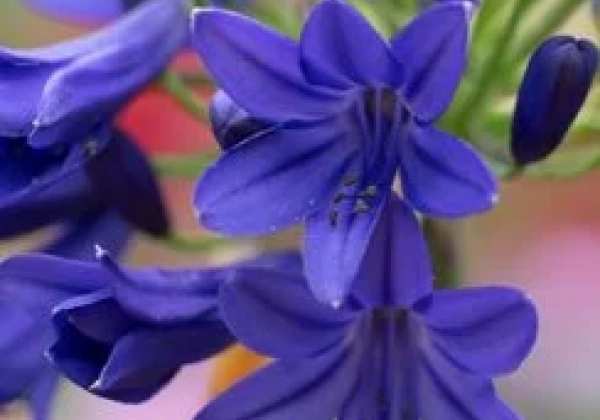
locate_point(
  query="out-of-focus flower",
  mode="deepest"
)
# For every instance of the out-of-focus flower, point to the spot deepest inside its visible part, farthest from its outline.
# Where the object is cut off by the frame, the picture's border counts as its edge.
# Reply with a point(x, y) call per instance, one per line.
point(397, 349)
point(556, 83)
point(39, 187)
point(348, 111)
point(89, 11)
point(123, 333)
point(27, 332)
point(67, 91)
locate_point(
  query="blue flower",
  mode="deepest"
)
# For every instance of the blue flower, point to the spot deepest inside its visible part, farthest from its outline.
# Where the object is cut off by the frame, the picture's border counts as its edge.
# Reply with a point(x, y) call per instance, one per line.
point(65, 92)
point(556, 83)
point(27, 331)
point(123, 333)
point(92, 11)
point(347, 112)
point(396, 349)
point(39, 187)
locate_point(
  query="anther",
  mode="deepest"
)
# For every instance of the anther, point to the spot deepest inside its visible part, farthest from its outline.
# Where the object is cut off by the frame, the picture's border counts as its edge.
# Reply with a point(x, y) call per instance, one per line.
point(349, 180)
point(370, 191)
point(91, 147)
point(333, 218)
point(361, 206)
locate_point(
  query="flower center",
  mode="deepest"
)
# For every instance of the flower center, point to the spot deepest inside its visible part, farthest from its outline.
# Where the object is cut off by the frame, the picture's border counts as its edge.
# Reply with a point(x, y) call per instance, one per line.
point(377, 117)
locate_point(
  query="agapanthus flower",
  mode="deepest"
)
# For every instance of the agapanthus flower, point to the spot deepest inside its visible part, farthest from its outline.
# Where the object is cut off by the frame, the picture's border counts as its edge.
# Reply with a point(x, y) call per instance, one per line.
point(90, 11)
point(39, 187)
point(123, 333)
point(556, 83)
point(27, 333)
point(65, 92)
point(396, 350)
point(347, 112)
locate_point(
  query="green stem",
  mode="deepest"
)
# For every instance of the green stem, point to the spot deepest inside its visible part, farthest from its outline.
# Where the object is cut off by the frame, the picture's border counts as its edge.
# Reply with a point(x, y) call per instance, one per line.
point(555, 17)
point(442, 241)
point(186, 98)
point(475, 102)
point(178, 166)
point(177, 242)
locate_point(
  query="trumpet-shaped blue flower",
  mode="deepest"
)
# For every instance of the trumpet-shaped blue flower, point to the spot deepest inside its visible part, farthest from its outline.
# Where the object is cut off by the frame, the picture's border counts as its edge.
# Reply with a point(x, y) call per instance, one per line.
point(27, 333)
point(39, 187)
point(556, 83)
point(123, 333)
point(395, 350)
point(347, 112)
point(65, 92)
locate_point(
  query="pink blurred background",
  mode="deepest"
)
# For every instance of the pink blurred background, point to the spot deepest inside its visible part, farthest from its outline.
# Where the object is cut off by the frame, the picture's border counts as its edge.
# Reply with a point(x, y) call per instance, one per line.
point(543, 237)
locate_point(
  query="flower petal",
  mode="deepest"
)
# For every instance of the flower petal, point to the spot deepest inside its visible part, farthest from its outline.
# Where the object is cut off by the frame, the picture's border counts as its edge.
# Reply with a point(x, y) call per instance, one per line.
point(257, 67)
point(79, 238)
point(273, 180)
point(339, 48)
point(396, 270)
point(443, 176)
point(106, 351)
point(445, 391)
point(164, 296)
point(487, 330)
point(293, 324)
point(92, 87)
point(313, 389)
point(120, 169)
point(334, 251)
point(41, 395)
point(433, 51)
point(79, 12)
point(40, 281)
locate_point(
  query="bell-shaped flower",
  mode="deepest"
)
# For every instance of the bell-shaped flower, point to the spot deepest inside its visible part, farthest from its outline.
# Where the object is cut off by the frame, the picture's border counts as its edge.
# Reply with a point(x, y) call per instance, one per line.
point(348, 111)
point(395, 350)
point(66, 91)
point(39, 187)
point(123, 333)
point(27, 331)
point(556, 83)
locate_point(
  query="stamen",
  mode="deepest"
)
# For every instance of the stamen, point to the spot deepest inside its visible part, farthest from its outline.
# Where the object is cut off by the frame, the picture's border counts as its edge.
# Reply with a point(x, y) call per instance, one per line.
point(361, 206)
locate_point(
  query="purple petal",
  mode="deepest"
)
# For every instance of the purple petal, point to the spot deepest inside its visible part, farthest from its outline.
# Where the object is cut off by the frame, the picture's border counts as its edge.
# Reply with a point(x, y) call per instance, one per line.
point(23, 339)
point(257, 67)
point(41, 395)
point(312, 389)
point(273, 180)
point(292, 323)
point(445, 391)
point(120, 169)
point(334, 251)
point(488, 331)
point(40, 281)
point(94, 85)
point(396, 270)
point(79, 238)
point(339, 48)
point(443, 176)
point(230, 124)
point(106, 351)
point(433, 51)
point(79, 12)
point(165, 296)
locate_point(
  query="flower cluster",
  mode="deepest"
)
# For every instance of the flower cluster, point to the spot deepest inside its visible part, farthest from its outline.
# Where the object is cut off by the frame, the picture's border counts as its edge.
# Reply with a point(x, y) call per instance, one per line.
point(337, 131)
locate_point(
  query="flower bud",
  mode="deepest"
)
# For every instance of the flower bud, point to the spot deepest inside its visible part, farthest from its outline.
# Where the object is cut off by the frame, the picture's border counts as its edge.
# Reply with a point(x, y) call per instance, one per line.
point(556, 83)
point(230, 123)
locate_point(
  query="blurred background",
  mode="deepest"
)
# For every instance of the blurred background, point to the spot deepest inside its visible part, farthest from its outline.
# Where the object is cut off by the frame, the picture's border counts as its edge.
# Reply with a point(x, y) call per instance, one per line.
point(544, 237)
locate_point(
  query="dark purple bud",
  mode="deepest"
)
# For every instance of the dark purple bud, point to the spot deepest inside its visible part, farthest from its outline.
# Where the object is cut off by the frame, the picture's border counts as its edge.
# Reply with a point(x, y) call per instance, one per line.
point(230, 123)
point(556, 83)
point(124, 180)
